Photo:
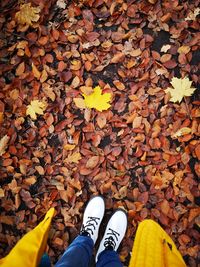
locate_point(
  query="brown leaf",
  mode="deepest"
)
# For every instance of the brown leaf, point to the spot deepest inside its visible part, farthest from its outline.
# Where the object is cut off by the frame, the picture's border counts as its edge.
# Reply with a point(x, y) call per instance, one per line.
point(101, 120)
point(3, 144)
point(92, 162)
point(36, 72)
point(20, 69)
point(117, 57)
point(164, 206)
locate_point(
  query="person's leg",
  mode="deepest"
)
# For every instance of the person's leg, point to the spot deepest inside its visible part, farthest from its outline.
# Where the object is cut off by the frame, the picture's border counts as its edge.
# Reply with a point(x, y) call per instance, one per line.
point(116, 228)
point(79, 253)
point(109, 258)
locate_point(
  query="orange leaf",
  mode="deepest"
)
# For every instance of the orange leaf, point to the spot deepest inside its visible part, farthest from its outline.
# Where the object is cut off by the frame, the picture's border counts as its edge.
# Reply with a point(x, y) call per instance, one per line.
point(117, 57)
point(43, 40)
point(20, 69)
point(36, 72)
point(92, 162)
point(61, 66)
point(164, 206)
point(101, 120)
point(119, 85)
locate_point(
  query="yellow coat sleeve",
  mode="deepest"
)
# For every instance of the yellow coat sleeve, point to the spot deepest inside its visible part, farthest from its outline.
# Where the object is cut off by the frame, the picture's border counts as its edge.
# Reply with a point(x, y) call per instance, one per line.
point(153, 247)
point(29, 250)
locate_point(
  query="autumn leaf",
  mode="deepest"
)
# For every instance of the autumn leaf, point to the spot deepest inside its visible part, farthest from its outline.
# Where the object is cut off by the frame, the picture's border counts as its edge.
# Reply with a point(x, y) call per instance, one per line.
point(27, 14)
point(36, 72)
point(61, 4)
point(184, 49)
point(181, 88)
point(165, 48)
point(3, 144)
point(97, 100)
point(79, 102)
point(36, 107)
point(181, 132)
point(73, 158)
point(69, 147)
point(92, 162)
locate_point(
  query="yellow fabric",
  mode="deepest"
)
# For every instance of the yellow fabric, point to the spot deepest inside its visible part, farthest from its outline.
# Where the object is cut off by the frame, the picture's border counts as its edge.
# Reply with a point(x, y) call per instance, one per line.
point(153, 247)
point(29, 250)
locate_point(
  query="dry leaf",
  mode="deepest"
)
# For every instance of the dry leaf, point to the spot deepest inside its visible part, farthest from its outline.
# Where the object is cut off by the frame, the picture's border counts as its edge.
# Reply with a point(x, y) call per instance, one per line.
point(117, 57)
point(61, 4)
point(73, 158)
point(36, 72)
point(165, 48)
point(2, 194)
point(27, 14)
point(181, 132)
point(136, 52)
point(79, 102)
point(3, 144)
point(36, 107)
point(184, 49)
point(48, 90)
point(92, 162)
point(119, 85)
point(20, 69)
point(97, 100)
point(101, 120)
point(193, 15)
point(75, 82)
point(69, 147)
point(181, 88)
point(43, 76)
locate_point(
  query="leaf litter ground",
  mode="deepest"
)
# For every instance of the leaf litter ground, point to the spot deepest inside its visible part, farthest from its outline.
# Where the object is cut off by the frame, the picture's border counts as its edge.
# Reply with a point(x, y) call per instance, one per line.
point(142, 153)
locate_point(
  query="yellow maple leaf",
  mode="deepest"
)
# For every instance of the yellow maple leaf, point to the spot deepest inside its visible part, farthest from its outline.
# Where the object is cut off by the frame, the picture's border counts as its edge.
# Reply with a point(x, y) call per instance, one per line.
point(97, 100)
point(36, 107)
point(27, 14)
point(181, 88)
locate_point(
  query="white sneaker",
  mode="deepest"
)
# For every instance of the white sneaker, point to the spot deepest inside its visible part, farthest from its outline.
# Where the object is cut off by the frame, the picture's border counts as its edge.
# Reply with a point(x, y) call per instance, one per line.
point(92, 217)
point(115, 231)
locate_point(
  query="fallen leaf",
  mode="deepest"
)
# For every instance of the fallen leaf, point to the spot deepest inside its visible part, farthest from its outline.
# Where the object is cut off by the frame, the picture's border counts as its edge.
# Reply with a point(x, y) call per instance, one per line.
point(75, 82)
point(3, 144)
point(165, 48)
point(73, 158)
point(97, 100)
point(27, 14)
point(2, 194)
point(20, 69)
point(61, 4)
point(48, 90)
point(69, 147)
point(43, 76)
point(79, 102)
point(184, 49)
point(101, 120)
point(117, 57)
point(36, 72)
point(136, 52)
point(92, 162)
point(119, 85)
point(35, 107)
point(181, 132)
point(181, 88)
point(193, 15)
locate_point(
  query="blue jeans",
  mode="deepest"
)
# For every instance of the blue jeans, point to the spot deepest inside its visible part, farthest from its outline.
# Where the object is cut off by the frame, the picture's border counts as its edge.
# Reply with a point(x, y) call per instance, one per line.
point(79, 254)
